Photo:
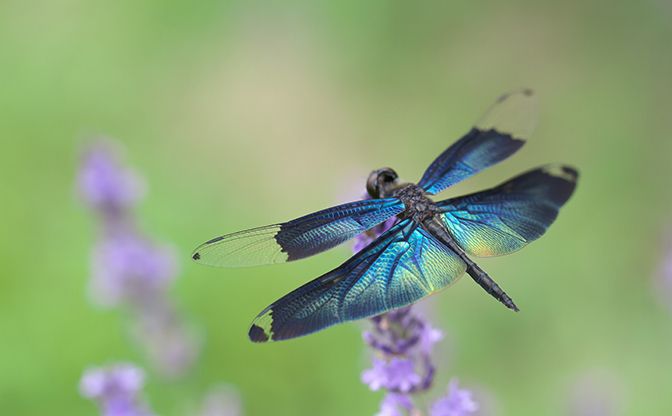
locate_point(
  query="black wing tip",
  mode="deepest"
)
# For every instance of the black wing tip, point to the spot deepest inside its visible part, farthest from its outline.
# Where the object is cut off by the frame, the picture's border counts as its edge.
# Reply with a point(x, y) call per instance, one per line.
point(196, 256)
point(257, 334)
point(513, 141)
point(517, 141)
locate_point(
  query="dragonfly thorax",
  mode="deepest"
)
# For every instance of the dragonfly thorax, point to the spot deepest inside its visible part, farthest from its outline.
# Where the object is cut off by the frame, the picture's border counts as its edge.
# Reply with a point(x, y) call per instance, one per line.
point(419, 207)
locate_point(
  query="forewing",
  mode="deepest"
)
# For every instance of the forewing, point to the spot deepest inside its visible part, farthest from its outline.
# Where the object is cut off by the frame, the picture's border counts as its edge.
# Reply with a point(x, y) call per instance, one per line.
point(506, 218)
point(498, 134)
point(298, 238)
point(402, 266)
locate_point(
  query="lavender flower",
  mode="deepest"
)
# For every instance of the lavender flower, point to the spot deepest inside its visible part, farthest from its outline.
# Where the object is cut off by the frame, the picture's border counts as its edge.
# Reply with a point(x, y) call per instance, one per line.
point(128, 269)
point(458, 402)
point(402, 342)
point(395, 404)
point(104, 184)
point(397, 374)
point(170, 345)
point(116, 389)
point(131, 271)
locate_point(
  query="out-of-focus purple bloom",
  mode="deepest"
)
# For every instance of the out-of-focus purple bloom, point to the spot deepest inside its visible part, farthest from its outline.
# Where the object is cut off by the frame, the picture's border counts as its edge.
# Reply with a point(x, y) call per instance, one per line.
point(116, 389)
point(395, 404)
point(103, 183)
point(429, 336)
point(458, 402)
point(170, 345)
point(128, 269)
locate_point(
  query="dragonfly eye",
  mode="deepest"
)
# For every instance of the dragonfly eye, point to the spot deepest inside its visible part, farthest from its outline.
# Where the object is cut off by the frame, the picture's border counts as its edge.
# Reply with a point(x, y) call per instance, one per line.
point(388, 177)
point(380, 182)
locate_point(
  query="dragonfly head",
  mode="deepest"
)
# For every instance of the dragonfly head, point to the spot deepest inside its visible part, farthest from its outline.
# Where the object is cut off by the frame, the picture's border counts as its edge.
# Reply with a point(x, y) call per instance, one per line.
point(382, 182)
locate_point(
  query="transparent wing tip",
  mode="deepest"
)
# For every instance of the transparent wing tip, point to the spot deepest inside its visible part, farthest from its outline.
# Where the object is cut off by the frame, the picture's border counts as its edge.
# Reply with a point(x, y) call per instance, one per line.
point(567, 173)
point(513, 113)
point(524, 92)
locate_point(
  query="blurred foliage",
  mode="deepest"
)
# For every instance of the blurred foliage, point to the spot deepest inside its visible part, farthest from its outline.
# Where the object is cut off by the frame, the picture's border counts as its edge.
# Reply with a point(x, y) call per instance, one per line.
point(246, 113)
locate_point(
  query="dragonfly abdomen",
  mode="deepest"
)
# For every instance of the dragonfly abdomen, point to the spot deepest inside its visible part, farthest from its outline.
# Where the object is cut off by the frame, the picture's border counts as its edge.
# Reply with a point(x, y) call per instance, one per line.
point(437, 229)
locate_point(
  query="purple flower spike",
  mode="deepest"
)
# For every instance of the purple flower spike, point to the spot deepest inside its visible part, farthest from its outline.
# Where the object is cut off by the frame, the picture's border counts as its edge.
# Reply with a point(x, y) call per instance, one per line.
point(403, 343)
point(116, 389)
point(458, 402)
point(128, 269)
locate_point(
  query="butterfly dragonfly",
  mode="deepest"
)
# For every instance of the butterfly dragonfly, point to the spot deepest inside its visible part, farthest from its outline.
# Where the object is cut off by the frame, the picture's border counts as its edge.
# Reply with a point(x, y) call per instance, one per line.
point(429, 246)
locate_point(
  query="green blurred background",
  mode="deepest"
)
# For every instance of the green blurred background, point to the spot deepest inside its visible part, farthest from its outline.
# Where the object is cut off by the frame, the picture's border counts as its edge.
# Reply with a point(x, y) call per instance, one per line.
point(240, 114)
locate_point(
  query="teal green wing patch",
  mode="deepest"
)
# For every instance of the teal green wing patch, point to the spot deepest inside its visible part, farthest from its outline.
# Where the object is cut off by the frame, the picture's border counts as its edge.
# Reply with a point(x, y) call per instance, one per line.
point(506, 218)
point(402, 266)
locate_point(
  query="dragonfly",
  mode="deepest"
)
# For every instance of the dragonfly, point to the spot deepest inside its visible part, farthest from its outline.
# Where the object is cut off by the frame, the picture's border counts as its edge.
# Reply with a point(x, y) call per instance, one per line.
point(429, 247)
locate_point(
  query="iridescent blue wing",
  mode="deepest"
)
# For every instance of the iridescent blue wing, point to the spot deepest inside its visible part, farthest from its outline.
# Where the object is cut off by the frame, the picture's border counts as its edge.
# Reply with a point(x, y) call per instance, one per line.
point(298, 238)
point(402, 266)
point(504, 219)
point(498, 135)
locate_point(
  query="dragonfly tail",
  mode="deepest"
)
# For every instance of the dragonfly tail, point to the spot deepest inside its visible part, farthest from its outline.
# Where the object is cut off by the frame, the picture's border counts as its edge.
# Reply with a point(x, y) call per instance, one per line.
point(490, 286)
